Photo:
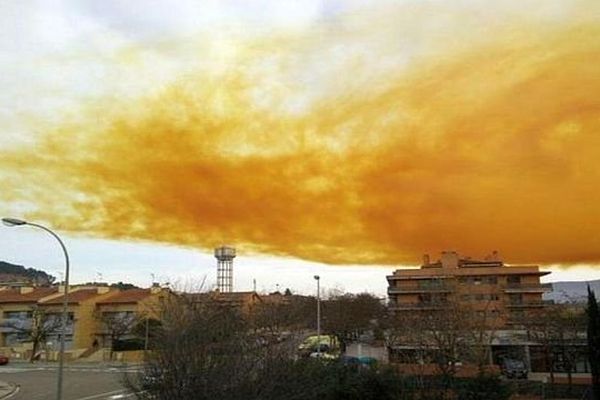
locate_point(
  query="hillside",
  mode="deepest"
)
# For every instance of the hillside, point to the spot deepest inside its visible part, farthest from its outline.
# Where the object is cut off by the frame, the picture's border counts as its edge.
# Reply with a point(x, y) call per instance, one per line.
point(572, 291)
point(18, 273)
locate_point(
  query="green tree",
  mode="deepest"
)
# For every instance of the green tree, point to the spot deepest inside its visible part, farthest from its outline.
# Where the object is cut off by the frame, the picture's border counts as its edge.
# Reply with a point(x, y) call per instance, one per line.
point(593, 337)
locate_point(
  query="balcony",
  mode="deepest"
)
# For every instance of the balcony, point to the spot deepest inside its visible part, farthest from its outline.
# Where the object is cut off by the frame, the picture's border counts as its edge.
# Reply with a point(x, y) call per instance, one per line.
point(419, 306)
point(525, 304)
point(527, 288)
point(419, 289)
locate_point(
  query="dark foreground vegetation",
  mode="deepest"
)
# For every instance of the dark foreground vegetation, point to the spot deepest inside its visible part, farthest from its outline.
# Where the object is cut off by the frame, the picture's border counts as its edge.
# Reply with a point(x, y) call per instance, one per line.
point(311, 380)
point(204, 350)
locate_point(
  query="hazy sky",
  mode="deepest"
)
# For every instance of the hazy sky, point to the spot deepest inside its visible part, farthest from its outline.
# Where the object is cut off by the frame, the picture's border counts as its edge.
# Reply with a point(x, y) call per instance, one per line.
point(343, 138)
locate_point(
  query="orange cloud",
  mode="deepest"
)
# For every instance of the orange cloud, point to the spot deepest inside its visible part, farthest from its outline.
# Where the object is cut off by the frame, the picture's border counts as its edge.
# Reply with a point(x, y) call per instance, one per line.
point(494, 145)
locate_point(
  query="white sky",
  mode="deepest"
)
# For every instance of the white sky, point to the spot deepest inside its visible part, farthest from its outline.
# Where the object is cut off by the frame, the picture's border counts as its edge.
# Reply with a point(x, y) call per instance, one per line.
point(54, 53)
point(185, 268)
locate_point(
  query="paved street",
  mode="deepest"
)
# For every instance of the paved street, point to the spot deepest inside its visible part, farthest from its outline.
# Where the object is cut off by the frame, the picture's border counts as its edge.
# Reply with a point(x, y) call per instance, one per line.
point(81, 382)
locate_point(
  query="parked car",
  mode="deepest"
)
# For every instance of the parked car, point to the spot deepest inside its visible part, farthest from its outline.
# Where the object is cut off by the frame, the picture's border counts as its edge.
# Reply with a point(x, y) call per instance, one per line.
point(514, 369)
point(350, 361)
point(322, 356)
point(3, 360)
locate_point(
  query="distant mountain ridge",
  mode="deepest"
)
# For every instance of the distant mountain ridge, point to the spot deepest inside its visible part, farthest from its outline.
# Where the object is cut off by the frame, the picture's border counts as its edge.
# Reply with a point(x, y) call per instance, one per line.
point(12, 273)
point(572, 291)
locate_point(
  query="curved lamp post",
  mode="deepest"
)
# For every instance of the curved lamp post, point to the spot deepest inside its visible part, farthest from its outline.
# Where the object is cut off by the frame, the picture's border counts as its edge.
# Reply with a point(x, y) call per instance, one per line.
point(318, 279)
point(65, 314)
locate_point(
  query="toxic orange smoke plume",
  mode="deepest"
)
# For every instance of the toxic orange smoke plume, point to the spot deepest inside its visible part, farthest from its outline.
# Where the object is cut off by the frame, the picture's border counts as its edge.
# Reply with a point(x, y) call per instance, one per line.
point(492, 144)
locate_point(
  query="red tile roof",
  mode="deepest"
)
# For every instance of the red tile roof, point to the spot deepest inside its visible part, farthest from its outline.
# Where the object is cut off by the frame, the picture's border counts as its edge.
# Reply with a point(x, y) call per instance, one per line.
point(74, 297)
point(225, 297)
point(15, 296)
point(127, 296)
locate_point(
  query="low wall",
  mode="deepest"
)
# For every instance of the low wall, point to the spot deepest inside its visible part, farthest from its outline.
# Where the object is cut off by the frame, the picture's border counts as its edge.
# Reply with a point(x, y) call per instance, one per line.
point(462, 371)
point(134, 356)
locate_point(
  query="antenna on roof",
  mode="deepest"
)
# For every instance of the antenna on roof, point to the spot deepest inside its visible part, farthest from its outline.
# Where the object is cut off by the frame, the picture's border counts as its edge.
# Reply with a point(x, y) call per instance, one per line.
point(254, 284)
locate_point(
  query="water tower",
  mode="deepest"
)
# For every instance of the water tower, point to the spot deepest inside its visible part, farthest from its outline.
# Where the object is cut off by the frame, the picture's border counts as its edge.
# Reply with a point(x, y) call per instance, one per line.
point(225, 256)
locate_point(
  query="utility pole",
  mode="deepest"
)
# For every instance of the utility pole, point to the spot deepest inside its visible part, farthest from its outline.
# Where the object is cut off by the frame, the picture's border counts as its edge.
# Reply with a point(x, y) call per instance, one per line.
point(318, 279)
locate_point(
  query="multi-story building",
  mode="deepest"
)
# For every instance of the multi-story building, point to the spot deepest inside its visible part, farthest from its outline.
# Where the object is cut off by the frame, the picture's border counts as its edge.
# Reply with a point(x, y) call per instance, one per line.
point(91, 309)
point(16, 307)
point(508, 293)
point(122, 311)
point(489, 301)
point(82, 320)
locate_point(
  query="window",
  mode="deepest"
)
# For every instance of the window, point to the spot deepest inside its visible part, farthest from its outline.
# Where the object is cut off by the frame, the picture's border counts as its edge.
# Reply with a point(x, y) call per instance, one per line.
point(56, 319)
point(15, 338)
point(479, 280)
point(481, 297)
point(491, 280)
point(516, 298)
point(425, 298)
point(17, 314)
point(513, 279)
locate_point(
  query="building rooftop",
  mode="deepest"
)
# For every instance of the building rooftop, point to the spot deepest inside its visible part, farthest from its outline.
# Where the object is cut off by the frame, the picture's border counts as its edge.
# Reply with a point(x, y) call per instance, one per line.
point(451, 264)
point(233, 298)
point(26, 295)
point(127, 296)
point(74, 297)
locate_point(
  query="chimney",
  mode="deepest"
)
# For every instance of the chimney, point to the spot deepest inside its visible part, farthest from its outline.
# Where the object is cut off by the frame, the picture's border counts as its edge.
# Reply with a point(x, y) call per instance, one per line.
point(155, 288)
point(496, 256)
point(25, 289)
point(449, 259)
point(426, 260)
point(103, 289)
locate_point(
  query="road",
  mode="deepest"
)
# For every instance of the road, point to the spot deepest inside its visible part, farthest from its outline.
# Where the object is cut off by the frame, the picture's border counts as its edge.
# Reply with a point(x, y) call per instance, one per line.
point(38, 382)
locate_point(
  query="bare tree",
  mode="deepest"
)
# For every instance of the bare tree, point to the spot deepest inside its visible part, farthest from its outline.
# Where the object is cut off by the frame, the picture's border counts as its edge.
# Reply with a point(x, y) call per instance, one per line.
point(445, 332)
point(347, 316)
point(37, 326)
point(116, 325)
point(207, 351)
point(559, 329)
point(273, 317)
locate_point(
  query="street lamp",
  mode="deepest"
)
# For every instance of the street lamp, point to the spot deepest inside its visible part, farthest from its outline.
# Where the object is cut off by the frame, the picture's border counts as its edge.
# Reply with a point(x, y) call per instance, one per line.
point(65, 315)
point(318, 279)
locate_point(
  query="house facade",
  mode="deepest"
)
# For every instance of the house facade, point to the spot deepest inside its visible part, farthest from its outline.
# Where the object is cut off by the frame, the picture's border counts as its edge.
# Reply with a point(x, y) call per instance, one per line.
point(93, 313)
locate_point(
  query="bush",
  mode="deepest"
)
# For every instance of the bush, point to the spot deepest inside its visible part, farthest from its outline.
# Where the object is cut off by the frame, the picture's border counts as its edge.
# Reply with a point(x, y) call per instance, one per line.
point(204, 351)
point(482, 388)
point(128, 344)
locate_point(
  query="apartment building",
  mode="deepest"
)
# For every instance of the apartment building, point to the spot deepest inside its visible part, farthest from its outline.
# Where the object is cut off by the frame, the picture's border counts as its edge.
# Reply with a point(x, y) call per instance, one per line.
point(488, 303)
point(508, 293)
